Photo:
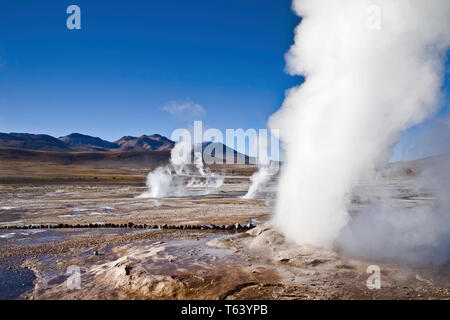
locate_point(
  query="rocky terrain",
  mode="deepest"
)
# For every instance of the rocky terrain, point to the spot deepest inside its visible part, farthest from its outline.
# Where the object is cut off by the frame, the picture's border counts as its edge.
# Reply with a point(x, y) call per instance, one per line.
point(257, 264)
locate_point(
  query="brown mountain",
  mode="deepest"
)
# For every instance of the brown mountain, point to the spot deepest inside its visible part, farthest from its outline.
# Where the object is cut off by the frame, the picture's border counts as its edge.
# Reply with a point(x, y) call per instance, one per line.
point(145, 143)
point(220, 152)
point(81, 142)
point(92, 148)
point(33, 142)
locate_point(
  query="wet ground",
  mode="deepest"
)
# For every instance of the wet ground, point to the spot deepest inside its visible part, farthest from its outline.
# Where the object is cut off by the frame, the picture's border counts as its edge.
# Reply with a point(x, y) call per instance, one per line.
point(14, 280)
point(16, 277)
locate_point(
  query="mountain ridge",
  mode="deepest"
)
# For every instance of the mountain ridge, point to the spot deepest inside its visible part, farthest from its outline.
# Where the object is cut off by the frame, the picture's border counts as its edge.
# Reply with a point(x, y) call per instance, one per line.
point(77, 142)
point(154, 142)
point(81, 142)
point(28, 141)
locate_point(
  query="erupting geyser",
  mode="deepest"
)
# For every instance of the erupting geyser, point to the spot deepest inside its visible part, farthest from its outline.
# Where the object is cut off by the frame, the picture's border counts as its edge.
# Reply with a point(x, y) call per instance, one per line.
point(266, 169)
point(372, 69)
point(170, 180)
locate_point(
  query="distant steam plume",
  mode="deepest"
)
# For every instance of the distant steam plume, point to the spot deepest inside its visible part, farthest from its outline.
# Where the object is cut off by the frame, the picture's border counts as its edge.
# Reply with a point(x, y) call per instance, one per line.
point(180, 156)
point(372, 69)
point(178, 178)
point(266, 168)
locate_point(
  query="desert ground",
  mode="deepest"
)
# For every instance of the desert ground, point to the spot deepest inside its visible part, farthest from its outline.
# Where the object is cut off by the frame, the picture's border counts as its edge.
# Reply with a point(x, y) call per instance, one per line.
point(55, 216)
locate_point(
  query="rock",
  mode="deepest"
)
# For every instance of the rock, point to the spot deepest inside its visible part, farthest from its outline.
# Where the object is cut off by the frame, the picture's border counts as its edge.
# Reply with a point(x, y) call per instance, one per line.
point(259, 229)
point(267, 239)
point(249, 226)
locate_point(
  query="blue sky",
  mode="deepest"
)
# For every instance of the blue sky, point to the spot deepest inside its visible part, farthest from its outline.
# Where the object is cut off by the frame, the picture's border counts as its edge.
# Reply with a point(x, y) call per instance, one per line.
point(139, 67)
point(431, 137)
point(131, 58)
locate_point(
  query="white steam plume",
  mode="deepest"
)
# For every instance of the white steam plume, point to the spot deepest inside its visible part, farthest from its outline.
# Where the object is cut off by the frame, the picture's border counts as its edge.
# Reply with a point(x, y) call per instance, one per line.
point(259, 179)
point(209, 179)
point(372, 69)
point(419, 234)
point(180, 156)
point(198, 161)
point(266, 169)
point(159, 182)
point(170, 180)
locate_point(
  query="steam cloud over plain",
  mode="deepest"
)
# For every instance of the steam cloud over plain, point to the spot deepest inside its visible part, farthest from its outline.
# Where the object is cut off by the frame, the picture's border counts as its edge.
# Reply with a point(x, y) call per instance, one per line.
point(171, 180)
point(372, 69)
point(266, 168)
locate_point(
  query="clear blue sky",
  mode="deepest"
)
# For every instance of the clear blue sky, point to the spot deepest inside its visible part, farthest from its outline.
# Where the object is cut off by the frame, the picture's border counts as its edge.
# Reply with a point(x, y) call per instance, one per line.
point(131, 58)
point(133, 61)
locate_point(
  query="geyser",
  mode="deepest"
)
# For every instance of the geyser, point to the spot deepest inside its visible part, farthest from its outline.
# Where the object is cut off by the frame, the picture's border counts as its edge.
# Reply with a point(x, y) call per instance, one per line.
point(266, 168)
point(372, 69)
point(170, 180)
